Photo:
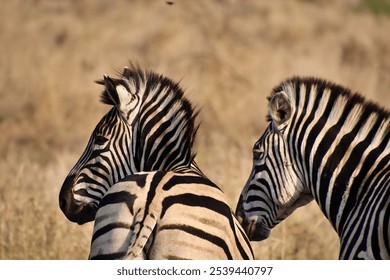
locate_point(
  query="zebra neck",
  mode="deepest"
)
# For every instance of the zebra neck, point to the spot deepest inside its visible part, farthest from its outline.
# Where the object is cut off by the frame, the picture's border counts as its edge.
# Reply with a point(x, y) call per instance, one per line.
point(162, 147)
point(345, 159)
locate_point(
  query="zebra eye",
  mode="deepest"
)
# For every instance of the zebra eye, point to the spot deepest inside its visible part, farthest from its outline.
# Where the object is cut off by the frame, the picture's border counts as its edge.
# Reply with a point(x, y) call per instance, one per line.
point(257, 154)
point(100, 140)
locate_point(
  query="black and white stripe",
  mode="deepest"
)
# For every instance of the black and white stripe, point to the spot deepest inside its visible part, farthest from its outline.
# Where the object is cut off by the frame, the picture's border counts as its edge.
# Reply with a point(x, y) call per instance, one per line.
point(167, 215)
point(323, 142)
point(150, 128)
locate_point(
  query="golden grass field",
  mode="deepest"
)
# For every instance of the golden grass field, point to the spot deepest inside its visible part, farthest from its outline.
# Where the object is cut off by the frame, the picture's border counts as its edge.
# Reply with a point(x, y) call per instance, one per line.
point(227, 55)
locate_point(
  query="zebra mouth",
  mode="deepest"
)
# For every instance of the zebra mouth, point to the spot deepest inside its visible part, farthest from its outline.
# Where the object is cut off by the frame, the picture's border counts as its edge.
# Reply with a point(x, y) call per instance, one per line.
point(256, 230)
point(253, 226)
point(260, 234)
point(81, 214)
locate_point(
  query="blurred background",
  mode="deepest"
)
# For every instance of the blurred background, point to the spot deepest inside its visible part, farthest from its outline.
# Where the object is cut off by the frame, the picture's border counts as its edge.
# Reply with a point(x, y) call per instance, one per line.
point(227, 55)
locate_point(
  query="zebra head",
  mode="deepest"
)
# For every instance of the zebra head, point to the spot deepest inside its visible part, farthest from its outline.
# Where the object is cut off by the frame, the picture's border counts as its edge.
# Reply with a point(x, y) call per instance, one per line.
point(149, 127)
point(275, 185)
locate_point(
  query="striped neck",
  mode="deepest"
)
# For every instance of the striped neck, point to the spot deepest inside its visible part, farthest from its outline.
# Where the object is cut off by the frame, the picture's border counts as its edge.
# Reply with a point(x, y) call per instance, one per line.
point(160, 118)
point(163, 132)
point(340, 144)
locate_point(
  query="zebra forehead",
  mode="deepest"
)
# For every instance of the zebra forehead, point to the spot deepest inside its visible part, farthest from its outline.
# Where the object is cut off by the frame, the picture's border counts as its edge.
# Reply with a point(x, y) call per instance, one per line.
point(108, 121)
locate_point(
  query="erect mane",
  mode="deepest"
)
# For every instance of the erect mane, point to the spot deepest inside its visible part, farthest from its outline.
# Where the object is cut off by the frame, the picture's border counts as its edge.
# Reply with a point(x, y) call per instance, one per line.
point(155, 88)
point(336, 91)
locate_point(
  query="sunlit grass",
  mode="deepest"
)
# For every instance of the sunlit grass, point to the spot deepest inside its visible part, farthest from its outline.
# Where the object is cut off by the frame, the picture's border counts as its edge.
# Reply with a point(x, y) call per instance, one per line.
point(228, 57)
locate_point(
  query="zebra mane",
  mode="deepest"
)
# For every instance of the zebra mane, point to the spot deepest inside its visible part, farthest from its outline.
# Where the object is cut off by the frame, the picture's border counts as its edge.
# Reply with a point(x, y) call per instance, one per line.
point(354, 99)
point(150, 85)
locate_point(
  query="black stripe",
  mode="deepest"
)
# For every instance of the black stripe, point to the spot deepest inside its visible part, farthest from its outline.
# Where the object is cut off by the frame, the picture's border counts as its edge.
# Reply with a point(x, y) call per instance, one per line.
point(126, 145)
point(156, 121)
point(97, 165)
point(247, 242)
point(155, 105)
point(345, 174)
point(97, 174)
point(205, 202)
point(146, 107)
point(358, 226)
point(196, 201)
point(380, 204)
point(119, 197)
point(331, 165)
point(167, 152)
point(216, 240)
point(187, 179)
point(83, 192)
point(151, 155)
point(386, 225)
point(108, 228)
point(140, 179)
point(367, 165)
point(310, 141)
point(299, 123)
point(112, 256)
point(84, 178)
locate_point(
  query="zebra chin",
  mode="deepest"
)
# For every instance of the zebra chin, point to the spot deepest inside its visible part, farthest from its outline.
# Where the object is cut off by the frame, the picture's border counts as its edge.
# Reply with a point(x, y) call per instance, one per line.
point(74, 211)
point(81, 214)
point(253, 227)
point(256, 231)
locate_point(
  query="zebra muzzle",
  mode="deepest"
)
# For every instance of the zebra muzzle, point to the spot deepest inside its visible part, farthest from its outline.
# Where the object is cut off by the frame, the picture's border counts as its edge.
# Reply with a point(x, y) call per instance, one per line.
point(73, 210)
point(252, 225)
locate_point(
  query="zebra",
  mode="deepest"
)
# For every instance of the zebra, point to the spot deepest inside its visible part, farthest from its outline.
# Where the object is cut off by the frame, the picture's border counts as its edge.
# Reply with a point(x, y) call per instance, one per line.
point(323, 142)
point(149, 133)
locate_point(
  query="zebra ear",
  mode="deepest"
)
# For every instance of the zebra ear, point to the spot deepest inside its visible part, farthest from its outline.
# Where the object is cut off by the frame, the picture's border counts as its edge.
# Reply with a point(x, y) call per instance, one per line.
point(117, 95)
point(109, 96)
point(280, 108)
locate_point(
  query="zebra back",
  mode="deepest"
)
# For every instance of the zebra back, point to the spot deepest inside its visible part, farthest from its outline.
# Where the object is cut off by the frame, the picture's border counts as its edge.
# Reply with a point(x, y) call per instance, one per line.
point(167, 215)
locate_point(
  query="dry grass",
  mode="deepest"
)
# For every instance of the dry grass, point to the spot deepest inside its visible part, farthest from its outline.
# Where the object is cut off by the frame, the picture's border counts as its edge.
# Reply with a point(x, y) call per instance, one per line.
point(228, 56)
